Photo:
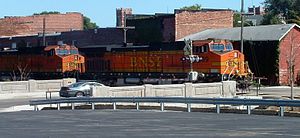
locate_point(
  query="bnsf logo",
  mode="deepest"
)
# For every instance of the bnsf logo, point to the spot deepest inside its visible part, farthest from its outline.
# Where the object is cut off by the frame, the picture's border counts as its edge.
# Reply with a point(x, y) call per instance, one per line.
point(145, 61)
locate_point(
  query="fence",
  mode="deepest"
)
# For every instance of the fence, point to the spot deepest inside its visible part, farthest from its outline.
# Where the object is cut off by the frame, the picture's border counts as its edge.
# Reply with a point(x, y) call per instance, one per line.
point(188, 101)
point(220, 89)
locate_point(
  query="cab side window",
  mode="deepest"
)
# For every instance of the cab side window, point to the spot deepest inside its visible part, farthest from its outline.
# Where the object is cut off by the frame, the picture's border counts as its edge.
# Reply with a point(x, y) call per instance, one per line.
point(200, 49)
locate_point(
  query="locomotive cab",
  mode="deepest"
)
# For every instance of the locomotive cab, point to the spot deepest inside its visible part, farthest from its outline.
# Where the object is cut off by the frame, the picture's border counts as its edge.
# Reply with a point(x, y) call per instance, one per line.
point(219, 59)
point(71, 60)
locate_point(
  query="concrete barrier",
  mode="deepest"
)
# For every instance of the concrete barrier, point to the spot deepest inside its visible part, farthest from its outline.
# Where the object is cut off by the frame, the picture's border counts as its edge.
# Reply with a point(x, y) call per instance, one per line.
point(221, 89)
point(34, 85)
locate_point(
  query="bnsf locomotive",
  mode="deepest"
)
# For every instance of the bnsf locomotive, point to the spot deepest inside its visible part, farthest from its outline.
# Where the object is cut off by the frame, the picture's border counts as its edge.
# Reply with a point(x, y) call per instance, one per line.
point(208, 60)
point(41, 62)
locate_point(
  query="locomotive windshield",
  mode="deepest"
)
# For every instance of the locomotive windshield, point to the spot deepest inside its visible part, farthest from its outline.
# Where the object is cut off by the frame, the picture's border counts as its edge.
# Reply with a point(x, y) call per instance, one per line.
point(62, 52)
point(217, 47)
point(229, 47)
point(74, 51)
point(66, 51)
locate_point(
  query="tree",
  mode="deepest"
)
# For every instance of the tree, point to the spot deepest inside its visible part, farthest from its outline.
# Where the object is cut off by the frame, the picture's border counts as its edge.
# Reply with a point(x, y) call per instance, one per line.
point(237, 21)
point(87, 24)
point(193, 7)
point(47, 12)
point(282, 11)
point(22, 73)
point(291, 60)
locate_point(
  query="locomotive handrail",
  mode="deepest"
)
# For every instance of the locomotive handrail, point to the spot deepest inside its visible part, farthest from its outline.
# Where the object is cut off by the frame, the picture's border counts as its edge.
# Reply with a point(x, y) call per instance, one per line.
point(162, 100)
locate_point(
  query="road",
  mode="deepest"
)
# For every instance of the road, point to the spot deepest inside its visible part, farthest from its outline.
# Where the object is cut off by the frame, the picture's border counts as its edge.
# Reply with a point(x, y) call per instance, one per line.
point(129, 123)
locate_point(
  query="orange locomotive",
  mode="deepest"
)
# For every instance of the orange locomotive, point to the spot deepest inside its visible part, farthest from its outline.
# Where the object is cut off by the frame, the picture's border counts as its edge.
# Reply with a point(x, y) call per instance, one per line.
point(166, 63)
point(41, 62)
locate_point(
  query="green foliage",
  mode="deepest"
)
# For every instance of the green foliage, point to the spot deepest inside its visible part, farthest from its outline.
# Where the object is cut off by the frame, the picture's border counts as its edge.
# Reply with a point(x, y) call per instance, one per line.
point(271, 19)
point(47, 12)
point(193, 7)
point(237, 19)
point(87, 24)
point(282, 10)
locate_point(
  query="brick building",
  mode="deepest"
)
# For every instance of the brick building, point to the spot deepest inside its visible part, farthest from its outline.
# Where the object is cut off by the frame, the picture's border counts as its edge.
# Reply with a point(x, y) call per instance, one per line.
point(171, 27)
point(11, 25)
point(121, 14)
point(82, 38)
point(268, 49)
point(256, 10)
point(190, 22)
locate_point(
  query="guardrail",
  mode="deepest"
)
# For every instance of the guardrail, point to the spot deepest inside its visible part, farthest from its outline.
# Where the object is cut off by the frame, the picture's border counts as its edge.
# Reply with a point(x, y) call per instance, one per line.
point(50, 94)
point(162, 100)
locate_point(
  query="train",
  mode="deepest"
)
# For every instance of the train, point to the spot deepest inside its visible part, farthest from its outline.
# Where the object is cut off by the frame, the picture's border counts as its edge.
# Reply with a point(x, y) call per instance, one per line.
point(50, 62)
point(156, 63)
point(164, 63)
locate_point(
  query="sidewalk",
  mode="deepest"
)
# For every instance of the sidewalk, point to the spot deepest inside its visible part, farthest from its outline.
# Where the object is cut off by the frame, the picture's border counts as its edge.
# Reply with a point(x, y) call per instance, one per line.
point(25, 95)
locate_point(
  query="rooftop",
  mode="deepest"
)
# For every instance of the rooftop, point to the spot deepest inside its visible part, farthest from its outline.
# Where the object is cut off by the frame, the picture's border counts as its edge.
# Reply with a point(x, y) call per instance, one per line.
point(252, 33)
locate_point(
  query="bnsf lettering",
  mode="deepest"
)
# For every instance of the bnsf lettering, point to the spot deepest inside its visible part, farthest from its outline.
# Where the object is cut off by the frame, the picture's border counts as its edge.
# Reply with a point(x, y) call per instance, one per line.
point(145, 61)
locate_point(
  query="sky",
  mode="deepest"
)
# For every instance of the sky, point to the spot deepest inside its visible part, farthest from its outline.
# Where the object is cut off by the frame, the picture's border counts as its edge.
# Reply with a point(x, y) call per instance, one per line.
point(103, 12)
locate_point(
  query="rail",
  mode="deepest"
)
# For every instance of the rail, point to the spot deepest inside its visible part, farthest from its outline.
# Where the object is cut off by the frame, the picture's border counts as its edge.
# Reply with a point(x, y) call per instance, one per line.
point(50, 94)
point(162, 100)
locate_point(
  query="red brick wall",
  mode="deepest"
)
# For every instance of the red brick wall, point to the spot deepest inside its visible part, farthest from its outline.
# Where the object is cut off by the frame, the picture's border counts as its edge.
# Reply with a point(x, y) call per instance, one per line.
point(190, 22)
point(293, 37)
point(34, 24)
point(121, 14)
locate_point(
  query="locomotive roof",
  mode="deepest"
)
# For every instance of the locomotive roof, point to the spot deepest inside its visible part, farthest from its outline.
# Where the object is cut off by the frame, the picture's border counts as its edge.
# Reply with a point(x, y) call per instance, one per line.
point(57, 46)
point(252, 33)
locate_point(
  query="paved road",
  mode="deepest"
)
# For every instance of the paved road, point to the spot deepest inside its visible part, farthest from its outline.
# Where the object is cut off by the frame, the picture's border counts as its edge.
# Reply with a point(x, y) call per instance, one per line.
point(107, 123)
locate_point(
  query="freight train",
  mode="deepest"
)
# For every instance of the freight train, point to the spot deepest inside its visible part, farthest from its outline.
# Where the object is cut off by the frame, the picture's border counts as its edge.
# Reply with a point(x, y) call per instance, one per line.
point(159, 63)
point(49, 62)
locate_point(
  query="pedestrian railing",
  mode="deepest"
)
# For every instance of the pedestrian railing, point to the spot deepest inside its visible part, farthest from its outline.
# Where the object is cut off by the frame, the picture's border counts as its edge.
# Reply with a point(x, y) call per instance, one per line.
point(162, 100)
point(49, 94)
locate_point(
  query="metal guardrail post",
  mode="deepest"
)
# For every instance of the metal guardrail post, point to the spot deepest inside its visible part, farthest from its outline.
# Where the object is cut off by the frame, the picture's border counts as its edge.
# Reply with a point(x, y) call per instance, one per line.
point(73, 106)
point(93, 106)
point(281, 113)
point(115, 106)
point(58, 106)
point(218, 108)
point(188, 107)
point(248, 109)
point(137, 106)
point(36, 108)
point(162, 106)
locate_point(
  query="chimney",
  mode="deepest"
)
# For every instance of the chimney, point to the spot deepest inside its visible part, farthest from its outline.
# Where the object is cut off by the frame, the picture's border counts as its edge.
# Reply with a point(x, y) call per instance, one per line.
point(121, 14)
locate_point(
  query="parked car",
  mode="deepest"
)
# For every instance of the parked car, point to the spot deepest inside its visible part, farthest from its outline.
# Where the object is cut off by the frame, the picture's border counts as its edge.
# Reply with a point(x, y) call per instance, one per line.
point(78, 89)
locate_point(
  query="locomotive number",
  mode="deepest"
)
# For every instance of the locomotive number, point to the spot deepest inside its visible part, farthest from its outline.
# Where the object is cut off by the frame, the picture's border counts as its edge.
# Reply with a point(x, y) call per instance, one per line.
point(145, 61)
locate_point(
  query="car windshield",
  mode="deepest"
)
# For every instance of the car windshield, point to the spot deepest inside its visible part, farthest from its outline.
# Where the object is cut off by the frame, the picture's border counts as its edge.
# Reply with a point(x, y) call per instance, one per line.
point(77, 84)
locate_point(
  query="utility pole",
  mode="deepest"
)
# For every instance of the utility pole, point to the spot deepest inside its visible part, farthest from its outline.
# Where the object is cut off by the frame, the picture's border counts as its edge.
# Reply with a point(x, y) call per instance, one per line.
point(125, 28)
point(44, 31)
point(191, 55)
point(242, 26)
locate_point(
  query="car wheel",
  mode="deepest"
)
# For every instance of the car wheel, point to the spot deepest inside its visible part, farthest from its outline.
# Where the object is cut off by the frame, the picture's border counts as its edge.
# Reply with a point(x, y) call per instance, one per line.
point(79, 94)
